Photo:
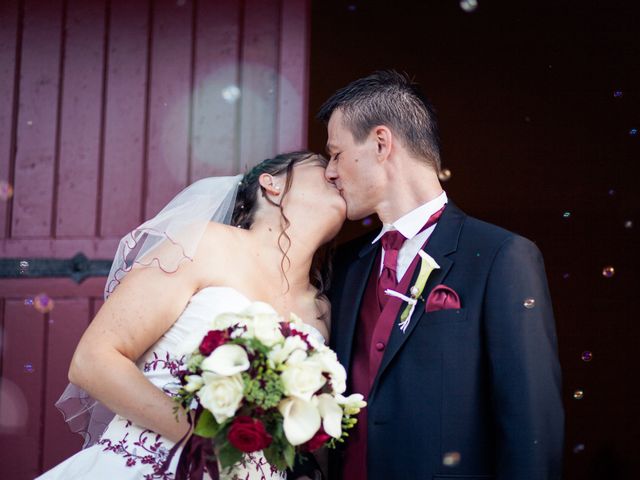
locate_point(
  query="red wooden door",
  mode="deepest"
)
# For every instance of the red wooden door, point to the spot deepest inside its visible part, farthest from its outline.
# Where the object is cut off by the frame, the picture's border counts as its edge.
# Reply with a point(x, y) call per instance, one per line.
point(107, 109)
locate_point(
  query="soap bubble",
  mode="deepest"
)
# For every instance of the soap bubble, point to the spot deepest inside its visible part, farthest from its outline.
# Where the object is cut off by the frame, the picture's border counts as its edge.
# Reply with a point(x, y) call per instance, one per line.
point(444, 174)
point(608, 271)
point(469, 5)
point(451, 459)
point(231, 93)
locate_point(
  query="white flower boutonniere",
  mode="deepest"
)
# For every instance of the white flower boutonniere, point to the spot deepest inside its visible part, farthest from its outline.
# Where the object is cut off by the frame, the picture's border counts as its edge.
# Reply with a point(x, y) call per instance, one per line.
point(427, 265)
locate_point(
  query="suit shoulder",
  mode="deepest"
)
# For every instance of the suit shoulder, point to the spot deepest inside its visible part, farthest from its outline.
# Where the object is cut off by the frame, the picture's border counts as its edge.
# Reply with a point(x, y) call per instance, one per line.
point(481, 232)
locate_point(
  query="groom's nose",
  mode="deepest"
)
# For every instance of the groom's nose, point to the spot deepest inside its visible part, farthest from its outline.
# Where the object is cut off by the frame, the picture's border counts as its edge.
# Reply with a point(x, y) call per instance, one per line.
point(331, 173)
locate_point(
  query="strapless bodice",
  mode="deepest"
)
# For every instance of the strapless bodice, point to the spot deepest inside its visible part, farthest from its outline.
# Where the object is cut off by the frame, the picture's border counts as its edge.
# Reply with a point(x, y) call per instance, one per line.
point(161, 360)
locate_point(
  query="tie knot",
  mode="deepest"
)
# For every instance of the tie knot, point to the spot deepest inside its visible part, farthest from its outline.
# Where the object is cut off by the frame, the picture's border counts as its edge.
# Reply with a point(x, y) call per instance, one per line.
point(392, 240)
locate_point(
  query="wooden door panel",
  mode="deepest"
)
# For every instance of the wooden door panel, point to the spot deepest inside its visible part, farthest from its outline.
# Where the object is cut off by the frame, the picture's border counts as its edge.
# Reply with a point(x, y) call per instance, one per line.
point(170, 83)
point(259, 80)
point(65, 325)
point(110, 108)
point(24, 344)
point(37, 119)
point(9, 34)
point(214, 137)
point(80, 126)
point(125, 107)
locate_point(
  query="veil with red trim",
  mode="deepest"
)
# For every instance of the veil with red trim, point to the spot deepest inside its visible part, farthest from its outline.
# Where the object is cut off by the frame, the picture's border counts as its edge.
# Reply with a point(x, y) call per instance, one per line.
point(165, 241)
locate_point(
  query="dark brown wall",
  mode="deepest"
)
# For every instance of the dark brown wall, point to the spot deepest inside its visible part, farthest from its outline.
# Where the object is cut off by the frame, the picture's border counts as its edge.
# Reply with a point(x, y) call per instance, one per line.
point(530, 130)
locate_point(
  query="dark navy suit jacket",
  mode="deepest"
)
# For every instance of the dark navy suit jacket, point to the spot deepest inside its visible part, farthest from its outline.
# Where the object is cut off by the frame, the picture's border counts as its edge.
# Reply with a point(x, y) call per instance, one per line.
point(481, 383)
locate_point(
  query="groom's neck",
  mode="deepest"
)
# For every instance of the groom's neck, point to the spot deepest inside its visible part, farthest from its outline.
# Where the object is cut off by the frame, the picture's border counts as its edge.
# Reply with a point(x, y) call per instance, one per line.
point(406, 191)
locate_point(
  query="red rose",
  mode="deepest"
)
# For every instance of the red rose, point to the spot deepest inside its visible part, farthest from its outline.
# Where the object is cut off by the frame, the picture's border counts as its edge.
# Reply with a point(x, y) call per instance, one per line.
point(318, 440)
point(248, 435)
point(211, 341)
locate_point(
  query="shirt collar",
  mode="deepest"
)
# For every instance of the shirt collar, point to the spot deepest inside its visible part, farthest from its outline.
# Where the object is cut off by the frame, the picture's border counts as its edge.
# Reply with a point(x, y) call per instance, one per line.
point(409, 225)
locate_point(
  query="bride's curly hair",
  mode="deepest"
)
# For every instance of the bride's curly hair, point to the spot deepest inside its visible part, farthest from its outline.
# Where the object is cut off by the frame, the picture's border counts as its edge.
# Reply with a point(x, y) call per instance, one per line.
point(247, 203)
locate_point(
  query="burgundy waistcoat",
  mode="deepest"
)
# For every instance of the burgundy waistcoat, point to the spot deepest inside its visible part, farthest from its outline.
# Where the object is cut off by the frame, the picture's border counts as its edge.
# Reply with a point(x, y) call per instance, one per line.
point(372, 333)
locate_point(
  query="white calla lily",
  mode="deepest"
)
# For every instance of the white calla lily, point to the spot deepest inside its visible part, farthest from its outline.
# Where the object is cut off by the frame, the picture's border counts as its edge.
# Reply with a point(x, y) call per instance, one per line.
point(301, 420)
point(226, 360)
point(331, 414)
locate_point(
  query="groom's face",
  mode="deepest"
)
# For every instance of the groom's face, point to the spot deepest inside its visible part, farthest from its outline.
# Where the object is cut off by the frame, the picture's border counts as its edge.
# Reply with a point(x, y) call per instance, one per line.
point(352, 168)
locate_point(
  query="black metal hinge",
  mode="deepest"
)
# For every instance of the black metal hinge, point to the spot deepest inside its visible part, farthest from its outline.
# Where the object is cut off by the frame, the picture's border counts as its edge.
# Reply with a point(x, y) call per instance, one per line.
point(77, 268)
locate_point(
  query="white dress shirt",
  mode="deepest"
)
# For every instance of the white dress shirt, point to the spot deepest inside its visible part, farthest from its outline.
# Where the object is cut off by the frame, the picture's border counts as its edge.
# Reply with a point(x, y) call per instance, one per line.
point(409, 225)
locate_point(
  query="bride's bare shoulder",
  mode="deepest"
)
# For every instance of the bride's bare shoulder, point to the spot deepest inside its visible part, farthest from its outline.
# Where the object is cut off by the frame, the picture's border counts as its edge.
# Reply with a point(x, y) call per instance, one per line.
point(219, 245)
point(220, 230)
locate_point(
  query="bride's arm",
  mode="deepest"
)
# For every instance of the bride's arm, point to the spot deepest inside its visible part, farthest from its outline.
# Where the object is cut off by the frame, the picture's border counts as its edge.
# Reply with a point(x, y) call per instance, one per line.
point(132, 319)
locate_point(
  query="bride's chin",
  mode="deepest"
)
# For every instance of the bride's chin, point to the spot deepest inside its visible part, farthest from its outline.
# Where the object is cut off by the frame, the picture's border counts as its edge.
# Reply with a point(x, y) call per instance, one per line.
point(337, 224)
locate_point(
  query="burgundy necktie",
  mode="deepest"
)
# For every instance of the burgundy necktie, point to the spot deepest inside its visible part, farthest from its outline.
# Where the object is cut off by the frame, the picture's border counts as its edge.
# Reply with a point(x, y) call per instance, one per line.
point(392, 241)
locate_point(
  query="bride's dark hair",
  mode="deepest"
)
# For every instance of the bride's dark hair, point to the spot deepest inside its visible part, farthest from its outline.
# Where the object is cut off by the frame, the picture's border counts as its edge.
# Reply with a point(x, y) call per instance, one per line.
point(247, 204)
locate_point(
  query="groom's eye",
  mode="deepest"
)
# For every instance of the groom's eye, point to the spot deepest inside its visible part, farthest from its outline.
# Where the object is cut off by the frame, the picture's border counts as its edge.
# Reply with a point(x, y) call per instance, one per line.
point(336, 156)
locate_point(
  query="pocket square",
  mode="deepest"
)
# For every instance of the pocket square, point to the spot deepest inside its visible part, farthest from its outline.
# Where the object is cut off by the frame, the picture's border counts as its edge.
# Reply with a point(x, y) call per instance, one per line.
point(442, 298)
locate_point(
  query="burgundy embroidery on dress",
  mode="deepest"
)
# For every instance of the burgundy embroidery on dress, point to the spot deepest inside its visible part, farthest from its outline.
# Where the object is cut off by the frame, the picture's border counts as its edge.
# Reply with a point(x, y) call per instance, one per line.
point(258, 464)
point(166, 363)
point(147, 449)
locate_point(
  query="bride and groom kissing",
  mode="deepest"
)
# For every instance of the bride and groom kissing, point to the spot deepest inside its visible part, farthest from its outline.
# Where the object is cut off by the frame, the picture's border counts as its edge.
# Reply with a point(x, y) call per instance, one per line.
point(443, 322)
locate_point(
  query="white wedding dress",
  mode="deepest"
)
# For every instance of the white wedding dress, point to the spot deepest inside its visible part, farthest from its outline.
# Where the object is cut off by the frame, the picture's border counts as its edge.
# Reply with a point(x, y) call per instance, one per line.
point(128, 451)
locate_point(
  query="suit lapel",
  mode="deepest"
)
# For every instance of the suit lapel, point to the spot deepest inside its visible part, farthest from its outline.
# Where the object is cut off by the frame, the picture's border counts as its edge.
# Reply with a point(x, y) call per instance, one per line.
point(355, 283)
point(443, 242)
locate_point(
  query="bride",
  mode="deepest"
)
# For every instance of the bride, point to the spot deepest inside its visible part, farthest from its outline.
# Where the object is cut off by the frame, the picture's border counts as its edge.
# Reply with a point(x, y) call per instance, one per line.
point(219, 245)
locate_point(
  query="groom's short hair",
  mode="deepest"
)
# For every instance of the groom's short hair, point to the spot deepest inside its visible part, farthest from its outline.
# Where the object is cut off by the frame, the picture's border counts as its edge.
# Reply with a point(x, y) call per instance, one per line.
point(388, 98)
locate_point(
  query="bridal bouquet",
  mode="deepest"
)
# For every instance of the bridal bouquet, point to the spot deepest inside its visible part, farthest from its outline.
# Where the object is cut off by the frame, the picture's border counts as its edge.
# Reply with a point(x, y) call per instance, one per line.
point(259, 382)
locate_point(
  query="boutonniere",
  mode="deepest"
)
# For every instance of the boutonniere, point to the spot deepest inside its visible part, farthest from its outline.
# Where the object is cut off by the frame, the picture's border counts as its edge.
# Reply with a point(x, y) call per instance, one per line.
point(427, 265)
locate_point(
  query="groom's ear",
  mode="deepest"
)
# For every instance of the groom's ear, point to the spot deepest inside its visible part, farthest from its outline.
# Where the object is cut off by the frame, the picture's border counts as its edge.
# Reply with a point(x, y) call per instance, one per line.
point(384, 141)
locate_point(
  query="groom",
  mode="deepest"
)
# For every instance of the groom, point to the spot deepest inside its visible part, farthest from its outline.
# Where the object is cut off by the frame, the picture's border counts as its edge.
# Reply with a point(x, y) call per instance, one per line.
point(469, 387)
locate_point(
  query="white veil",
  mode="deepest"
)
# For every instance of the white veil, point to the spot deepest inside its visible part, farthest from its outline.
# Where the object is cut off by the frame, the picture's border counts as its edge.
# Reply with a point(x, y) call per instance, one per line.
point(178, 229)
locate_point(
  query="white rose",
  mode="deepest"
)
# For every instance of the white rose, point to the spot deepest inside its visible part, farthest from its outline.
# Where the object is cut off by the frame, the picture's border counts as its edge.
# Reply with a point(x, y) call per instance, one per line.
point(330, 364)
point(311, 333)
point(327, 359)
point(351, 404)
point(194, 382)
point(302, 379)
point(221, 395)
point(331, 414)
point(280, 353)
point(301, 420)
point(296, 356)
point(267, 329)
point(227, 359)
